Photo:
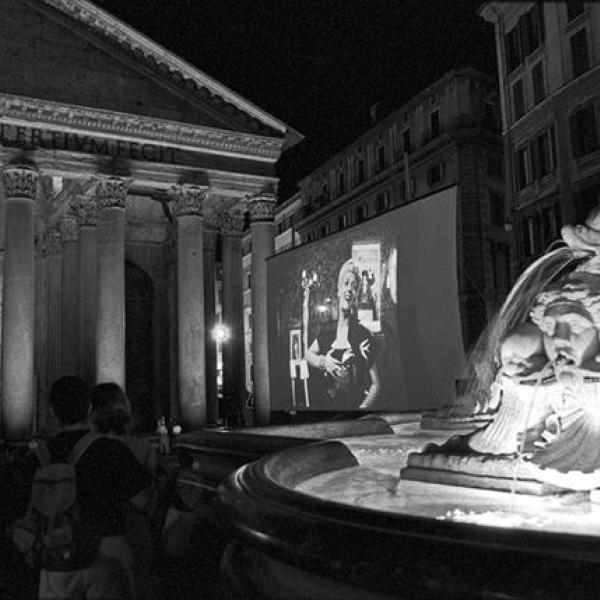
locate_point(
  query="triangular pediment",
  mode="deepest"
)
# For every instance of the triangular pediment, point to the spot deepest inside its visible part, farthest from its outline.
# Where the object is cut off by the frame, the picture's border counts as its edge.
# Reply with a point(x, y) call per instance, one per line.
point(73, 53)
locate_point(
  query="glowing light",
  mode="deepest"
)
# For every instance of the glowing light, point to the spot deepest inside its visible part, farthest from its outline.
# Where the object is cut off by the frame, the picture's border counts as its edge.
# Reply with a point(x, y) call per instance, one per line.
point(221, 333)
point(321, 308)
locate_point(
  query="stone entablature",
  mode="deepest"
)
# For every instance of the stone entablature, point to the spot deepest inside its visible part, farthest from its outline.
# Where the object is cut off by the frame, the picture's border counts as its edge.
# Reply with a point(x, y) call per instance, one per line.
point(59, 126)
point(169, 66)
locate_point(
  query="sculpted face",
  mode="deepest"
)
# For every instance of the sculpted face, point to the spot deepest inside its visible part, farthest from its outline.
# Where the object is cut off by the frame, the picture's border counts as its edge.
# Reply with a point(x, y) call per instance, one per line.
point(570, 336)
point(522, 351)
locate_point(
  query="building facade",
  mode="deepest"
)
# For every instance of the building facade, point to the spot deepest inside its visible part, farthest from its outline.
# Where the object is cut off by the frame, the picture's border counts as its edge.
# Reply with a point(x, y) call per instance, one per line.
point(121, 166)
point(448, 134)
point(549, 78)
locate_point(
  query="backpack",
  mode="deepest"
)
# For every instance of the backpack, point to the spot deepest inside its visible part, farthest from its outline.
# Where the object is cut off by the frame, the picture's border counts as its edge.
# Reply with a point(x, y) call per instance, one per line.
point(52, 535)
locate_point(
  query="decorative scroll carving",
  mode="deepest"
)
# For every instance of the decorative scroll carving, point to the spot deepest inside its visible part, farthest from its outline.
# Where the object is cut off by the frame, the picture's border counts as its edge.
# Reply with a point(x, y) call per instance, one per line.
point(262, 208)
point(111, 192)
point(85, 210)
point(69, 227)
point(20, 181)
point(189, 199)
point(53, 241)
point(232, 223)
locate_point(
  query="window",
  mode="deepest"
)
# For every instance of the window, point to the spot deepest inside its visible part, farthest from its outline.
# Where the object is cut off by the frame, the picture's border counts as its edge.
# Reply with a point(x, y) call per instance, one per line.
point(550, 228)
point(531, 29)
point(523, 167)
point(497, 209)
point(381, 158)
point(342, 221)
point(383, 201)
point(513, 49)
point(361, 212)
point(248, 280)
point(518, 99)
point(501, 267)
point(574, 9)
point(325, 229)
point(360, 170)
point(341, 182)
point(325, 191)
point(537, 77)
point(434, 124)
point(579, 52)
point(544, 152)
point(435, 174)
point(525, 37)
point(402, 193)
point(406, 140)
point(583, 131)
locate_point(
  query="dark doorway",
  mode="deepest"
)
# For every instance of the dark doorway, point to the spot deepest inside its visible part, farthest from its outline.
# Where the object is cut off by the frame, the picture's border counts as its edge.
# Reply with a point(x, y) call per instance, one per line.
point(139, 351)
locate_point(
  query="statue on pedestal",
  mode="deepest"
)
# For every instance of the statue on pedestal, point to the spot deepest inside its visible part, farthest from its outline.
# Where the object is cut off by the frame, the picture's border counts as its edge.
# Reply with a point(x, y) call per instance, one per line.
point(545, 433)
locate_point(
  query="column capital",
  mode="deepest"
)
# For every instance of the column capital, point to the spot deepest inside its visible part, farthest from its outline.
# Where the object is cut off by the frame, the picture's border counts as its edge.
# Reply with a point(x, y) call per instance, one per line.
point(69, 227)
point(20, 181)
point(111, 192)
point(53, 241)
point(262, 208)
point(232, 223)
point(85, 210)
point(189, 199)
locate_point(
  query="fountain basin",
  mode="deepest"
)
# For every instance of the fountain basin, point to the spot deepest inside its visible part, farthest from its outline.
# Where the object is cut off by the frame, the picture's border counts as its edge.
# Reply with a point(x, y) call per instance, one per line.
point(331, 519)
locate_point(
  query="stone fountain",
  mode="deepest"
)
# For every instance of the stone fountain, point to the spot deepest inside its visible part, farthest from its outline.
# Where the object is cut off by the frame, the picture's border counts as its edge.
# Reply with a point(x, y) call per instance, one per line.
point(504, 508)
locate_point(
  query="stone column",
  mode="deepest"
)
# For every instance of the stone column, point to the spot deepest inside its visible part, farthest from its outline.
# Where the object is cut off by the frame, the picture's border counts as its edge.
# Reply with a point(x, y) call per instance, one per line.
point(110, 320)
point(234, 380)
point(53, 267)
point(40, 327)
point(262, 229)
point(18, 392)
point(171, 409)
point(85, 209)
point(210, 347)
point(189, 201)
point(69, 316)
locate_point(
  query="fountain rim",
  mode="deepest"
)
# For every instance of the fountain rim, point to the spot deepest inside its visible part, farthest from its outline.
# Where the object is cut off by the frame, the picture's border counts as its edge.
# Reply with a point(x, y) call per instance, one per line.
point(255, 482)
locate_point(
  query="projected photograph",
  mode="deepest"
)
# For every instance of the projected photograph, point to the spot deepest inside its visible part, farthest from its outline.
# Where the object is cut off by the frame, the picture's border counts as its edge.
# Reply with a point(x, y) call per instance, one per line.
point(368, 319)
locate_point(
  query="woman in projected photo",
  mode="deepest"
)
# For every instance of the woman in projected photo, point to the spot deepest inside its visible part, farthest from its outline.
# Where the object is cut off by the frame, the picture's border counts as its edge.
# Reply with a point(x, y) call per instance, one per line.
point(344, 355)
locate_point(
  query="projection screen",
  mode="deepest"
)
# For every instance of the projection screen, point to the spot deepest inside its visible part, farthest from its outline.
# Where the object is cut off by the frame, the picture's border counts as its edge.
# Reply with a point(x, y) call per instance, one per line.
point(368, 318)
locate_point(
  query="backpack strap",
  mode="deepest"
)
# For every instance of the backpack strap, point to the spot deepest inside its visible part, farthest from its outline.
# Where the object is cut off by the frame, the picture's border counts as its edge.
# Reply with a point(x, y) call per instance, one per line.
point(83, 444)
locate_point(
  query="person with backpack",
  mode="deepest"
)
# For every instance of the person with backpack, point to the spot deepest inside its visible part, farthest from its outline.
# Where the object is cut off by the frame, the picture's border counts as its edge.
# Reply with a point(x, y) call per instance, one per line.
point(81, 485)
point(111, 415)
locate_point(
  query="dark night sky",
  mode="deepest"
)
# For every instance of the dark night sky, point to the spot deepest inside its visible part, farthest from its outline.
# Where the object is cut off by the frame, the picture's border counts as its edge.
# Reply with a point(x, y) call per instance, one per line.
point(318, 65)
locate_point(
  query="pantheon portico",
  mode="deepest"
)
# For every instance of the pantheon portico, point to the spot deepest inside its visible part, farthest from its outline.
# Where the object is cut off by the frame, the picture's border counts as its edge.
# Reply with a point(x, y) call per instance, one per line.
point(122, 168)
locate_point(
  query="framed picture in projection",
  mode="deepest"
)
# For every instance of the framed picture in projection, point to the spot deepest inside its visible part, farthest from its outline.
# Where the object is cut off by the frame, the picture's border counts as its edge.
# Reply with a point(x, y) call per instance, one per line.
point(367, 257)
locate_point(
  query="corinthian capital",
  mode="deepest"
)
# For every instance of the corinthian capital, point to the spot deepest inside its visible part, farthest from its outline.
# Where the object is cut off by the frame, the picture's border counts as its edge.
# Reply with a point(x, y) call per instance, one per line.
point(53, 241)
point(85, 210)
point(262, 208)
point(69, 227)
point(189, 199)
point(232, 223)
point(111, 192)
point(20, 181)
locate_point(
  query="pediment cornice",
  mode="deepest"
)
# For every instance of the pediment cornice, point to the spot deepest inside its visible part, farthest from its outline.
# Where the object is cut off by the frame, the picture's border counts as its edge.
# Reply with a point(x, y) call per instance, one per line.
point(167, 65)
point(56, 116)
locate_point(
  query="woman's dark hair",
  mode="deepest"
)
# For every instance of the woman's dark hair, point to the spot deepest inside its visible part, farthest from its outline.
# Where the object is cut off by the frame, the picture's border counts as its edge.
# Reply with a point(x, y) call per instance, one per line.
point(111, 411)
point(69, 399)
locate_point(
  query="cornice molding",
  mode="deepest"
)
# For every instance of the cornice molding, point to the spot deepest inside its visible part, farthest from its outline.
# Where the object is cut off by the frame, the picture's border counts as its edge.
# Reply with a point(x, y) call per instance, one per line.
point(57, 116)
point(168, 65)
